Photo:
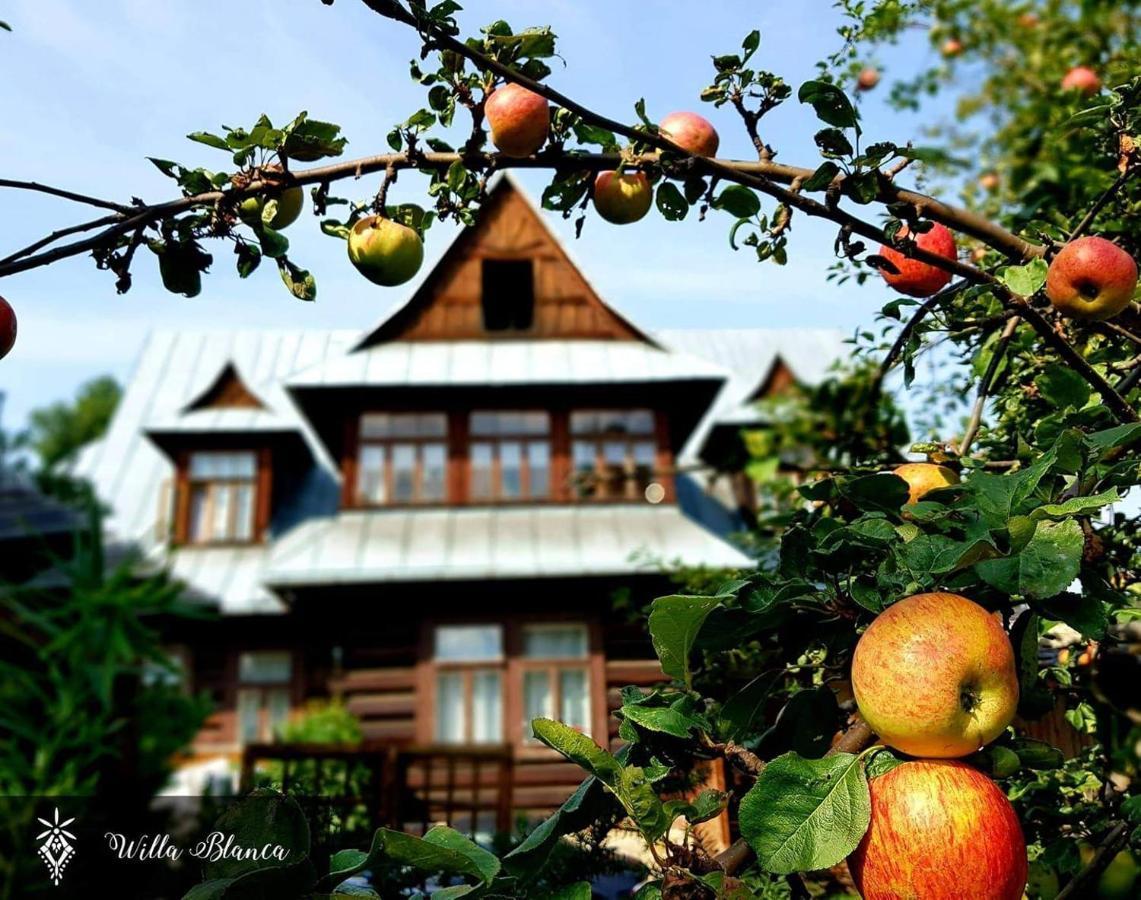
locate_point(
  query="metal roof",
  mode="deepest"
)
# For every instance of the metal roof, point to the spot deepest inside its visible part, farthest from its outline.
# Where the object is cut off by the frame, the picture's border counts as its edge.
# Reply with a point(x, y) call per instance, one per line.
point(498, 363)
point(494, 542)
point(27, 513)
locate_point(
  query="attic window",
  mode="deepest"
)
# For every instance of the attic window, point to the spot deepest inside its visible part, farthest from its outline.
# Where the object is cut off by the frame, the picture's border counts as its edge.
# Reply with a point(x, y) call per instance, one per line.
point(508, 294)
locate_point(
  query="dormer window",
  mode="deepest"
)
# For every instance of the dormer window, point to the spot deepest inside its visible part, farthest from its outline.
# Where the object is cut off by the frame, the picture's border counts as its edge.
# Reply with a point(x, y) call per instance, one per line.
point(614, 454)
point(222, 489)
point(508, 294)
point(510, 456)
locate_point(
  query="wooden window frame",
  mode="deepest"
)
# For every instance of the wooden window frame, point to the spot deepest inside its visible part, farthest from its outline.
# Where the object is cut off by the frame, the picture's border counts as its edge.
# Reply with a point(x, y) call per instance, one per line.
point(263, 690)
point(262, 483)
point(661, 471)
point(512, 666)
point(355, 448)
point(496, 497)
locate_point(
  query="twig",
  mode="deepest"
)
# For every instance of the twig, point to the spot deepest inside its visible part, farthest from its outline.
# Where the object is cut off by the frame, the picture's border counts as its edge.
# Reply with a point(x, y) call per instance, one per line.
point(56, 235)
point(986, 383)
point(1103, 856)
point(1099, 204)
point(905, 333)
point(67, 195)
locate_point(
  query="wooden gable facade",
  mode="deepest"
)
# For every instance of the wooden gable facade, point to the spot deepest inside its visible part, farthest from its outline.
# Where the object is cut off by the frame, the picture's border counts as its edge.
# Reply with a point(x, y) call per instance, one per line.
point(507, 278)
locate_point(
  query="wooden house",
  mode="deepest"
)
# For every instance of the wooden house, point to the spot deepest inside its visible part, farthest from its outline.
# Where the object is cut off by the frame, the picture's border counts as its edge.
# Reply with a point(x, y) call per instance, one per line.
point(431, 519)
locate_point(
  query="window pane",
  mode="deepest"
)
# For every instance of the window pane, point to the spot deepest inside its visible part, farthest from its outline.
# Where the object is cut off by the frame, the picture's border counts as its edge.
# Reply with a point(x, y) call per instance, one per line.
point(584, 453)
point(403, 472)
point(249, 716)
point(220, 515)
point(536, 698)
point(487, 708)
point(600, 421)
point(555, 641)
point(370, 477)
point(277, 709)
point(574, 699)
point(468, 643)
point(434, 458)
point(512, 423)
point(265, 667)
point(198, 530)
point(481, 456)
point(244, 512)
point(539, 466)
point(584, 422)
point(510, 469)
point(386, 425)
point(211, 464)
point(450, 708)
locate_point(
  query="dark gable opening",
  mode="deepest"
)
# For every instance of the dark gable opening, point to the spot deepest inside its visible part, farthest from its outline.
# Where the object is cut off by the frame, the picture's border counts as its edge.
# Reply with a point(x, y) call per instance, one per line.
point(508, 294)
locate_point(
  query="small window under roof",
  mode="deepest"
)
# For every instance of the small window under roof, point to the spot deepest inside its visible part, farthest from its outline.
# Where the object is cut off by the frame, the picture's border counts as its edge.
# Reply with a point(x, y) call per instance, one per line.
point(508, 294)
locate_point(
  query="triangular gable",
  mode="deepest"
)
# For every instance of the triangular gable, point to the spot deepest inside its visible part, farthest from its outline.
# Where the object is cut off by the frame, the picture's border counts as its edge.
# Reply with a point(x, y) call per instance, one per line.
point(227, 391)
point(777, 380)
point(448, 304)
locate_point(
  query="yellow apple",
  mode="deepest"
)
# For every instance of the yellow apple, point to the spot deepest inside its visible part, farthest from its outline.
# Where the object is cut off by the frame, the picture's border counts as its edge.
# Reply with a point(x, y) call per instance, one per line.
point(624, 198)
point(924, 477)
point(385, 252)
point(934, 676)
point(289, 203)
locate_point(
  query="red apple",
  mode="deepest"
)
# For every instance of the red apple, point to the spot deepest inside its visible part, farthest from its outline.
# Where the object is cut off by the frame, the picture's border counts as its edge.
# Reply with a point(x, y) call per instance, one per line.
point(691, 132)
point(1082, 79)
point(951, 48)
point(940, 830)
point(519, 120)
point(1091, 278)
point(1028, 20)
point(917, 278)
point(934, 676)
point(624, 198)
point(385, 252)
point(989, 181)
point(924, 477)
point(7, 327)
point(867, 79)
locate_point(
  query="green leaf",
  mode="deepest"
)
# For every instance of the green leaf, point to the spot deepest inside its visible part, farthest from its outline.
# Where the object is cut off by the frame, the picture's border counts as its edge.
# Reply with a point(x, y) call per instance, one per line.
point(707, 805)
point(264, 817)
point(833, 141)
point(664, 719)
point(738, 201)
point(671, 203)
point(1082, 612)
point(440, 850)
point(751, 43)
point(822, 177)
point(805, 725)
point(1025, 280)
point(831, 104)
point(346, 863)
point(806, 814)
point(1062, 387)
point(580, 890)
point(741, 712)
point(630, 784)
point(301, 284)
point(210, 140)
point(881, 761)
point(1045, 566)
point(1077, 506)
point(674, 624)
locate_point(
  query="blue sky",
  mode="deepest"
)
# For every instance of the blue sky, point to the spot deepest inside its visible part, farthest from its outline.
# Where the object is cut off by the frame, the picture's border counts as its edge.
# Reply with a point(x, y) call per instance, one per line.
point(93, 88)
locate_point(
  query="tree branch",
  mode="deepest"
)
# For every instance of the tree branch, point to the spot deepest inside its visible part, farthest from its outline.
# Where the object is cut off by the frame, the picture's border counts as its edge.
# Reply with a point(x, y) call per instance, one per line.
point(985, 385)
point(1099, 205)
point(67, 195)
point(908, 329)
point(1081, 883)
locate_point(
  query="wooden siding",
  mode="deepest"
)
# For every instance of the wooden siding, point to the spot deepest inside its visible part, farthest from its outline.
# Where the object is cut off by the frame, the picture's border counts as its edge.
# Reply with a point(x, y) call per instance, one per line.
point(227, 392)
point(449, 304)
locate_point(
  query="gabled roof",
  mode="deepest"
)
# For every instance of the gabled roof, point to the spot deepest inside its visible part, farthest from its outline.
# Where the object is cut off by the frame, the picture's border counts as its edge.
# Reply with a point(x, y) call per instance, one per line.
point(444, 305)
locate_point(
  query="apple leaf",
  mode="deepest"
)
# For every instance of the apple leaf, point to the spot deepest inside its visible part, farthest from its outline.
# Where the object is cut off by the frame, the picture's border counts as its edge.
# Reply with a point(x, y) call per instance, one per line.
point(746, 707)
point(671, 203)
point(806, 814)
point(674, 624)
point(1025, 280)
point(1044, 567)
point(831, 104)
point(440, 850)
point(1061, 386)
point(739, 201)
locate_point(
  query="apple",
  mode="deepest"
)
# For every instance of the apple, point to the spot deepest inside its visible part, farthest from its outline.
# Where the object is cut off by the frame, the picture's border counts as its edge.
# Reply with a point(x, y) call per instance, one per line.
point(385, 252)
point(940, 830)
point(915, 277)
point(1091, 278)
point(989, 181)
point(934, 676)
point(951, 48)
point(867, 79)
point(691, 132)
point(1082, 79)
point(1119, 877)
point(7, 327)
point(924, 477)
point(289, 204)
point(624, 198)
point(1028, 20)
point(519, 120)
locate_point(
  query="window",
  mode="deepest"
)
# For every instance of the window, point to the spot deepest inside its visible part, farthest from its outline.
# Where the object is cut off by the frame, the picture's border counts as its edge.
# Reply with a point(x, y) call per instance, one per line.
point(264, 696)
point(510, 455)
point(613, 452)
point(469, 684)
point(403, 458)
point(222, 488)
point(556, 680)
point(508, 294)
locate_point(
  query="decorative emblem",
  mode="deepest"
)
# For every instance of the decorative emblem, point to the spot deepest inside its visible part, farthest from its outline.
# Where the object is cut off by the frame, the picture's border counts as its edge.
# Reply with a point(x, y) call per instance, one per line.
point(56, 847)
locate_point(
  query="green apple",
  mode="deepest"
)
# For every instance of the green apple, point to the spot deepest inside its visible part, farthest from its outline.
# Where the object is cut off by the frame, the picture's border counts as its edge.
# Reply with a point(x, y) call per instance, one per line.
point(385, 252)
point(289, 202)
point(622, 199)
